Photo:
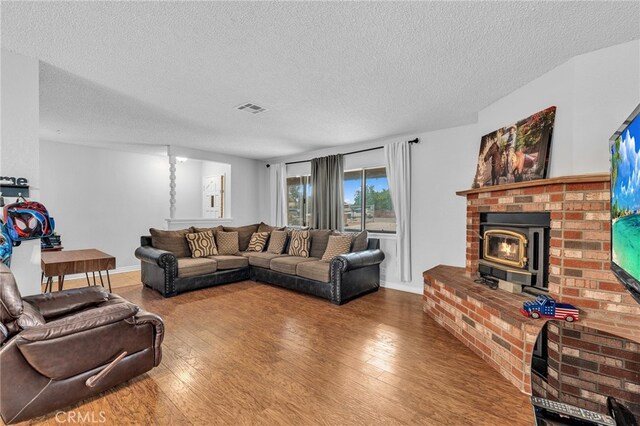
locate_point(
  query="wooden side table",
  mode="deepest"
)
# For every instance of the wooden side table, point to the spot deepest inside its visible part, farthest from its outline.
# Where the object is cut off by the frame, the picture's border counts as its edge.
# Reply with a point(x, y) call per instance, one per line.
point(62, 263)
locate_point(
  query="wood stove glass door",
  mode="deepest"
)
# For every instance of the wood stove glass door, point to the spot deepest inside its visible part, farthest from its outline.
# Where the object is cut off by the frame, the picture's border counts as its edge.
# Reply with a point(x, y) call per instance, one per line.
point(505, 247)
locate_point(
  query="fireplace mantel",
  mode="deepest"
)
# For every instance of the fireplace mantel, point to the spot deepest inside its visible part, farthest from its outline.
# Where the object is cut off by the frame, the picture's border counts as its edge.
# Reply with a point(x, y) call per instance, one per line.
point(579, 269)
point(597, 177)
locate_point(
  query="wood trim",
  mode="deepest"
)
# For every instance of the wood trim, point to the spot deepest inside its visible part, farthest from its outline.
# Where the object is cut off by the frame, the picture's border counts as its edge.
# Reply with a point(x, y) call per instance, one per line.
point(596, 177)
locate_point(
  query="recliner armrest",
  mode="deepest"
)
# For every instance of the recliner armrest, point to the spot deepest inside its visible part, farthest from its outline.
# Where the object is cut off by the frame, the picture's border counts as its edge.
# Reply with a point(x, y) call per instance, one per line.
point(162, 258)
point(356, 260)
point(59, 303)
point(81, 321)
point(144, 317)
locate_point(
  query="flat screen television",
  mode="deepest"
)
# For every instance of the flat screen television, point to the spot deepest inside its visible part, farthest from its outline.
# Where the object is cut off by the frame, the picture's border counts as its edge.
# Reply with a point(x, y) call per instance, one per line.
point(625, 203)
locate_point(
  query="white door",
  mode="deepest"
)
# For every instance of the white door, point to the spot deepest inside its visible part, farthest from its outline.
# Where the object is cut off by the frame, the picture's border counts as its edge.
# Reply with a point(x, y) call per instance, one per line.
point(213, 196)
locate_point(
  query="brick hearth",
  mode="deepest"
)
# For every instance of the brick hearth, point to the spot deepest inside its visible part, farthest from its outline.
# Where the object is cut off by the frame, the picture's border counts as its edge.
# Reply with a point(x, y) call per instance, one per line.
point(579, 273)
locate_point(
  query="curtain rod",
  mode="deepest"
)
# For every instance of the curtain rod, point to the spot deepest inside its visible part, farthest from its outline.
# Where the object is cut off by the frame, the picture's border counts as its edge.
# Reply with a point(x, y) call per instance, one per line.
point(411, 142)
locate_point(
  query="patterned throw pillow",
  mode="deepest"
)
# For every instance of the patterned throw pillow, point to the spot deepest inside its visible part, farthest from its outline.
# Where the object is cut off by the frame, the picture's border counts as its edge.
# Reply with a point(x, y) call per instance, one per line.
point(299, 245)
point(338, 244)
point(202, 244)
point(359, 241)
point(258, 241)
point(227, 243)
point(277, 242)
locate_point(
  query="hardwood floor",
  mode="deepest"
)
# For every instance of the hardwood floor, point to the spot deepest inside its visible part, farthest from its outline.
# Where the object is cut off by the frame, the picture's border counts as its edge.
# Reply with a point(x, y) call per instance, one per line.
point(249, 353)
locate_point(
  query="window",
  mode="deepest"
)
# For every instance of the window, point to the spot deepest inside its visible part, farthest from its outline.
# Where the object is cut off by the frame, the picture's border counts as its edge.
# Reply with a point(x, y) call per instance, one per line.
point(299, 200)
point(367, 203)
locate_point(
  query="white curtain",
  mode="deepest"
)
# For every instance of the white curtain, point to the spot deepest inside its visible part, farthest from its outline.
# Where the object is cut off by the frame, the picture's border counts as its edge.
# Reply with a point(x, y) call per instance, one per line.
point(398, 162)
point(278, 179)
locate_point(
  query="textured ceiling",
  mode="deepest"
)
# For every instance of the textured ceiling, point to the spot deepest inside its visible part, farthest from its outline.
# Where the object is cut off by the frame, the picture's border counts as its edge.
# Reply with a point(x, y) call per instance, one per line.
point(330, 73)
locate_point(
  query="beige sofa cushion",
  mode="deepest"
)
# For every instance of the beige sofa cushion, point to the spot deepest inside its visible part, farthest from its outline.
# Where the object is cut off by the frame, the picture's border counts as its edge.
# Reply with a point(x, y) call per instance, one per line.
point(190, 267)
point(230, 262)
point(173, 241)
point(316, 270)
point(215, 229)
point(263, 260)
point(319, 241)
point(244, 234)
point(263, 227)
point(287, 264)
point(338, 244)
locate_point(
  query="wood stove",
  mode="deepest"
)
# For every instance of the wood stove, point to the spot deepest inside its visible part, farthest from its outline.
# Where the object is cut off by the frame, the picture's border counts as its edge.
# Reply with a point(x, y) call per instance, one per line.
point(515, 248)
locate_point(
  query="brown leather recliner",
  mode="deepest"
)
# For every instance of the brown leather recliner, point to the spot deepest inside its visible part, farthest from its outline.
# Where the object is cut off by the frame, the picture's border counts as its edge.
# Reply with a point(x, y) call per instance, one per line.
point(60, 348)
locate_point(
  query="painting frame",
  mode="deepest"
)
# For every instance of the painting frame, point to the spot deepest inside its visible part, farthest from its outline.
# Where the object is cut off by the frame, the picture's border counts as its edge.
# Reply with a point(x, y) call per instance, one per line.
point(518, 152)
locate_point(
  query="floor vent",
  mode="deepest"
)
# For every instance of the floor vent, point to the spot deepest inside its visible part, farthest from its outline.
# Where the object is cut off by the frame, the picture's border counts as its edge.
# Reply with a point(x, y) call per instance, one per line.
point(251, 108)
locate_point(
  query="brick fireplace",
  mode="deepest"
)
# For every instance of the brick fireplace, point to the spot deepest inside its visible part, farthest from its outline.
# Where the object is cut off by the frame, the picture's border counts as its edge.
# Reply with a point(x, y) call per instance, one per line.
point(488, 321)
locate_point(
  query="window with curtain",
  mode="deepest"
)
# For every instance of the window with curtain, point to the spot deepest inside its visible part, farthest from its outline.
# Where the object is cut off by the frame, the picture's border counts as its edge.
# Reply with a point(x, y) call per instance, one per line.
point(367, 203)
point(299, 200)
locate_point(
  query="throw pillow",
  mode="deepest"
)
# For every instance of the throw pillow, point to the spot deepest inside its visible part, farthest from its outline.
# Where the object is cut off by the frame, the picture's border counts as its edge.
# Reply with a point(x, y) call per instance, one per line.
point(244, 234)
point(338, 244)
point(277, 242)
point(227, 243)
point(215, 229)
point(360, 241)
point(258, 241)
point(319, 240)
point(299, 245)
point(202, 244)
point(173, 241)
point(263, 227)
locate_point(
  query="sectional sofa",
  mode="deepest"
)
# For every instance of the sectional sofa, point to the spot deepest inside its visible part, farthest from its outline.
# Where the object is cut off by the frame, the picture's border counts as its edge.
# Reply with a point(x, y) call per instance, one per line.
point(339, 280)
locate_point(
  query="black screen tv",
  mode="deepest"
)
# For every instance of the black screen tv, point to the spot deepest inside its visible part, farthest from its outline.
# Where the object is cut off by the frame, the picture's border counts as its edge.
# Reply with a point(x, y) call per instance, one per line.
point(625, 203)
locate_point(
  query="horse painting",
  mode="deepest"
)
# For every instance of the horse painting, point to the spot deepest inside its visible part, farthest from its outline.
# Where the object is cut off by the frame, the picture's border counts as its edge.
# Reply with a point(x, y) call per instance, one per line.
point(516, 153)
point(497, 165)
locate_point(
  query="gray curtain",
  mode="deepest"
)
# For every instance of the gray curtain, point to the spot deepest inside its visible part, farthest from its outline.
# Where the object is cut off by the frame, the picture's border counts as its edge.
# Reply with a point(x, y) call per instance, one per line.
point(326, 192)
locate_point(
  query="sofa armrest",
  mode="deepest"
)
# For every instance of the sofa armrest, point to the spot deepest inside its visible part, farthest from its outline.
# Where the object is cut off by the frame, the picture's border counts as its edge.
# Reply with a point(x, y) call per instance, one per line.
point(162, 258)
point(59, 303)
point(349, 261)
point(81, 321)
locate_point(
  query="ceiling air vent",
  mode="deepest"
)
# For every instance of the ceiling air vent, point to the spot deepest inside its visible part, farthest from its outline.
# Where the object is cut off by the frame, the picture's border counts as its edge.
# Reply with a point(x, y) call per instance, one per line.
point(251, 108)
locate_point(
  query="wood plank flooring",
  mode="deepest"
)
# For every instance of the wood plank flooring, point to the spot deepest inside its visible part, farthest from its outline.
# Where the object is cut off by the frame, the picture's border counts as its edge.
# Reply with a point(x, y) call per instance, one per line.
point(249, 353)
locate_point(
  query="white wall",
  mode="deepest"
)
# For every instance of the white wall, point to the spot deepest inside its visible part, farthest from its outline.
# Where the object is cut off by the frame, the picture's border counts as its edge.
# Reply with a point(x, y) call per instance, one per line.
point(104, 199)
point(593, 94)
point(245, 201)
point(19, 154)
point(189, 175)
point(188, 189)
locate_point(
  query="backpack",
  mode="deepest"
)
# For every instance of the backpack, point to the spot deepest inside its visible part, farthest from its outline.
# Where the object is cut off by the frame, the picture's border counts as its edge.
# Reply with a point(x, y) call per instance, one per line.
point(28, 220)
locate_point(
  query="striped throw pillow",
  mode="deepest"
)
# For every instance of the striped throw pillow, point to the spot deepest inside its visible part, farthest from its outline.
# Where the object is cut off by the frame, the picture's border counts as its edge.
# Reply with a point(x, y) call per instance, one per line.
point(202, 244)
point(258, 241)
point(338, 244)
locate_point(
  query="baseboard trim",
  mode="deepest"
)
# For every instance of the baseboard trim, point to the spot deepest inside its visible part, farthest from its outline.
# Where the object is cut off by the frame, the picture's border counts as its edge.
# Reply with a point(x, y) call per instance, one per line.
point(408, 288)
point(112, 272)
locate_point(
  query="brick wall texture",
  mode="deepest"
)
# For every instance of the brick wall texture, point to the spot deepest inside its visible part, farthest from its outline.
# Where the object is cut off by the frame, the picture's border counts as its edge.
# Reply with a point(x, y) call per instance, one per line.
point(579, 273)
